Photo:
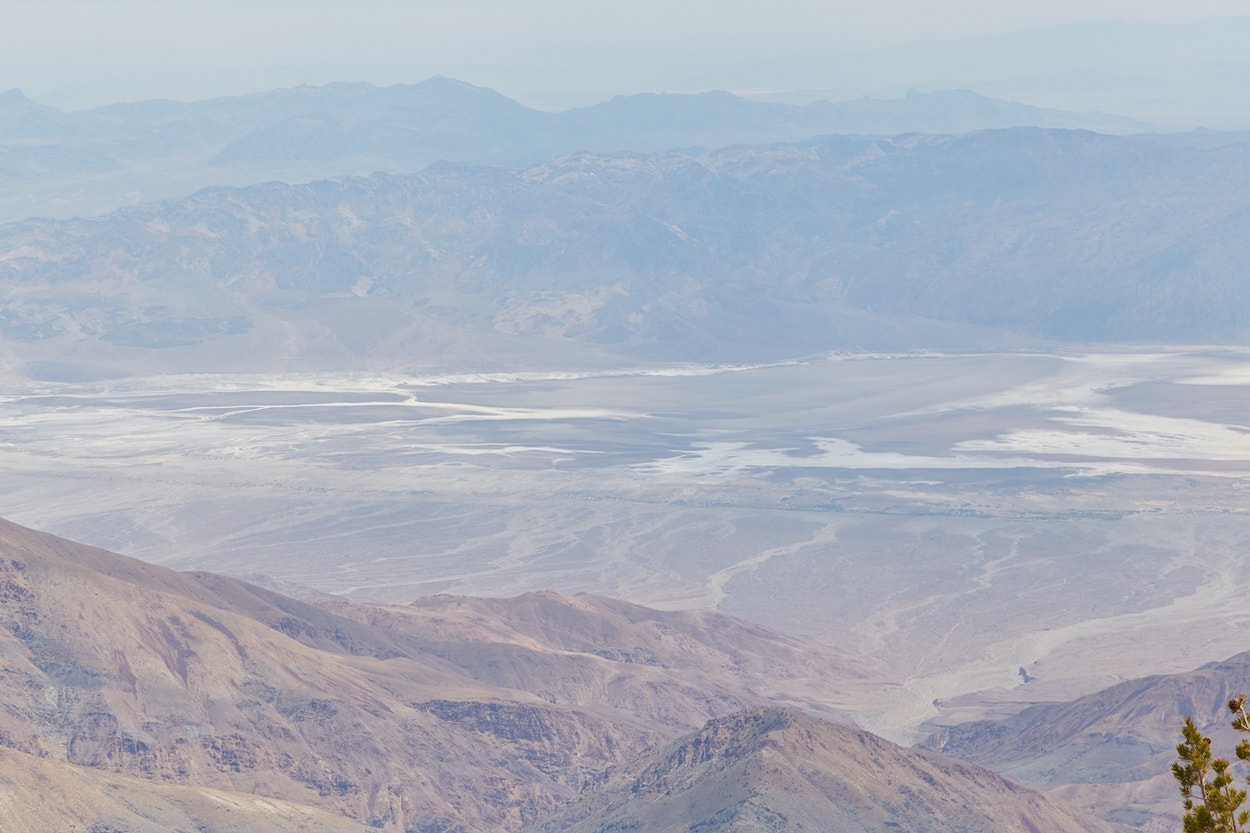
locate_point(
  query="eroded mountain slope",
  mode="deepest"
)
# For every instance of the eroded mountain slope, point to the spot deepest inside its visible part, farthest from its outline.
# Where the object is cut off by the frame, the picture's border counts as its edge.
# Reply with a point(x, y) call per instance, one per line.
point(444, 714)
point(46, 796)
point(785, 772)
point(1110, 751)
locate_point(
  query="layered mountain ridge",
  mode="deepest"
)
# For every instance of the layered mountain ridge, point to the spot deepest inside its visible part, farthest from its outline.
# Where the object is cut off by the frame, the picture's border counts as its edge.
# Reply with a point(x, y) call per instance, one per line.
point(86, 162)
point(254, 711)
point(785, 772)
point(742, 254)
point(435, 713)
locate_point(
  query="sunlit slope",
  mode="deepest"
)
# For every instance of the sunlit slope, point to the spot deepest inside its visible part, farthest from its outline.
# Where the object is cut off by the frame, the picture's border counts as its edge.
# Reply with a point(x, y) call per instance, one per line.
point(1111, 750)
point(47, 796)
point(455, 713)
point(141, 697)
point(786, 772)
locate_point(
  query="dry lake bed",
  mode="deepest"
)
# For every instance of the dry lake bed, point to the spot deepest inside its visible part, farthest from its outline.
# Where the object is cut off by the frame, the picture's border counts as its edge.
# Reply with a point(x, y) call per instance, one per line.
point(1079, 516)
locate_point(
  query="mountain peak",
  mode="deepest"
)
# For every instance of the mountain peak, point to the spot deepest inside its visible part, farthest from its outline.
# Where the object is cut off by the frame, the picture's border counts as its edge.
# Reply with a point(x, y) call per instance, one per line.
point(443, 84)
point(445, 81)
point(786, 771)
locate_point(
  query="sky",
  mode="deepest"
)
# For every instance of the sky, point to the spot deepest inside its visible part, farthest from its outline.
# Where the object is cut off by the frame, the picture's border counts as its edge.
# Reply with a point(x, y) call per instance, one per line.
point(553, 53)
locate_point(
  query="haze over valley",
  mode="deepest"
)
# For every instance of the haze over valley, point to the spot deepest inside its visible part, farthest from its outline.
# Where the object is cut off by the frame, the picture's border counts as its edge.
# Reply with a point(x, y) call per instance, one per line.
point(666, 460)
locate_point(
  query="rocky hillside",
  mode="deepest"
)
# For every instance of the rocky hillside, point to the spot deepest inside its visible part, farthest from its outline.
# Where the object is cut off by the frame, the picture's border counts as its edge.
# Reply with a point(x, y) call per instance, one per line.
point(469, 715)
point(42, 796)
point(786, 772)
point(155, 700)
point(1112, 750)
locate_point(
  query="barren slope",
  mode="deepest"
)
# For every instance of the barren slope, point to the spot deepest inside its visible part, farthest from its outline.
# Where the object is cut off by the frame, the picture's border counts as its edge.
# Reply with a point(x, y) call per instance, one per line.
point(43, 796)
point(784, 772)
point(197, 679)
point(1110, 751)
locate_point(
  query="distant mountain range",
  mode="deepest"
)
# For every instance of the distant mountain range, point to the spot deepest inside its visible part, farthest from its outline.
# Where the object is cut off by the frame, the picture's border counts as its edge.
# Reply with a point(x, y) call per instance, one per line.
point(54, 163)
point(743, 253)
point(1184, 73)
point(1174, 73)
point(147, 699)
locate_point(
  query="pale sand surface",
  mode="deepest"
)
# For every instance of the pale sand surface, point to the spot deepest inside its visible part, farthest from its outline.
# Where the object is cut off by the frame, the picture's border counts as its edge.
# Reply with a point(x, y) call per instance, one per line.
point(959, 517)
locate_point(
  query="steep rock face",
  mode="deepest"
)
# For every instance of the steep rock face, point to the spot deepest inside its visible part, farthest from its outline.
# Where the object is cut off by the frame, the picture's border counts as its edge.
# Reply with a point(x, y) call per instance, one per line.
point(196, 679)
point(783, 771)
point(1110, 751)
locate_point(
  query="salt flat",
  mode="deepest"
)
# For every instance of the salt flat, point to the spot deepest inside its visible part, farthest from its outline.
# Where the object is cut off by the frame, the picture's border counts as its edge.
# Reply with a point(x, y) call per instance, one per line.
point(959, 517)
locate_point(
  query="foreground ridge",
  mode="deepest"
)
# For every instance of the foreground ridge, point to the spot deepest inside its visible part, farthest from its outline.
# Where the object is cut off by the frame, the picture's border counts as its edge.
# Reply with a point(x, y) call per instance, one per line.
point(780, 770)
point(451, 714)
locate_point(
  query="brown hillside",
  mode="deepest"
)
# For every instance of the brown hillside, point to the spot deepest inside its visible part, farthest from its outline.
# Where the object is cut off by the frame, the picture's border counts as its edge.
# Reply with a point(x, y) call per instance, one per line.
point(1110, 751)
point(43, 796)
point(784, 772)
point(451, 714)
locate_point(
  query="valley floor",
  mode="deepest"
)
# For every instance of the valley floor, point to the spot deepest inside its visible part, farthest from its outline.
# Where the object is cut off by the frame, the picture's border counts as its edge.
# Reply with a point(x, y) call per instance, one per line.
point(957, 518)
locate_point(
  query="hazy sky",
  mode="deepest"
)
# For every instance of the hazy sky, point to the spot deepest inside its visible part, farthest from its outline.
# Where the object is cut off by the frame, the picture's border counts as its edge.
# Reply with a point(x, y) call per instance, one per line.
point(555, 52)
